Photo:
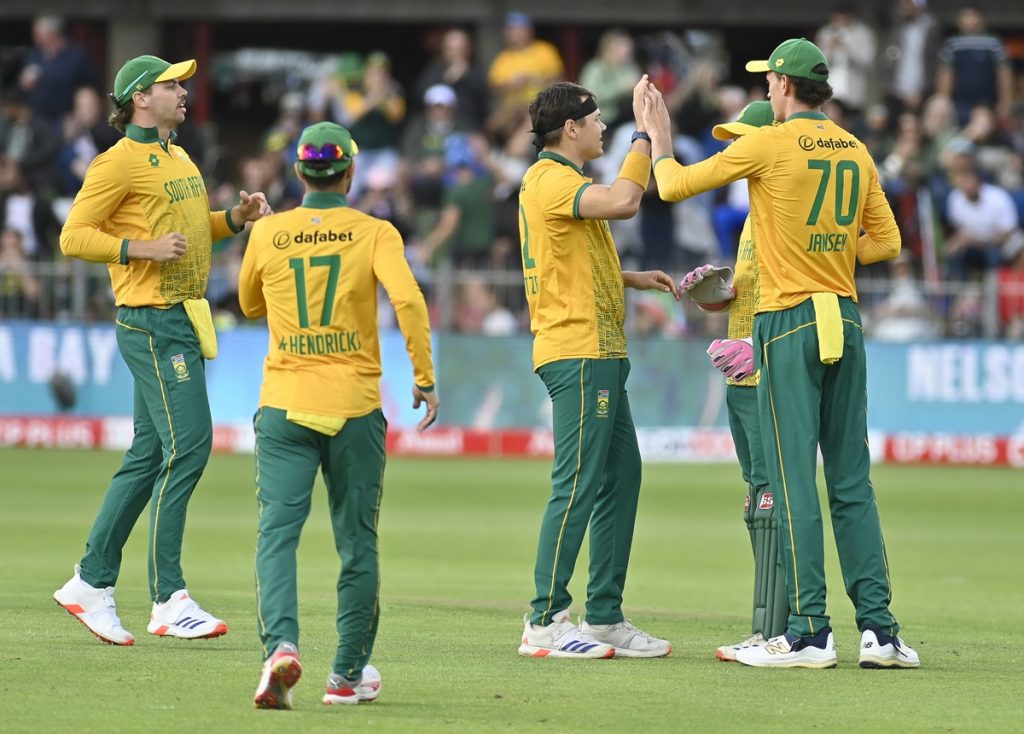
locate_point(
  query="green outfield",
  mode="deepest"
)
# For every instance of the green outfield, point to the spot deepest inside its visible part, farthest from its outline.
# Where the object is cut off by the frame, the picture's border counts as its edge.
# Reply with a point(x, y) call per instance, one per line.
point(457, 544)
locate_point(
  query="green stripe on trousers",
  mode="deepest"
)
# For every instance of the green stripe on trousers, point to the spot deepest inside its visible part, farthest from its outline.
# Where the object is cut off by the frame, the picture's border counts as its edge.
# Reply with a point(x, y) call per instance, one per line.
point(595, 482)
point(288, 457)
point(804, 403)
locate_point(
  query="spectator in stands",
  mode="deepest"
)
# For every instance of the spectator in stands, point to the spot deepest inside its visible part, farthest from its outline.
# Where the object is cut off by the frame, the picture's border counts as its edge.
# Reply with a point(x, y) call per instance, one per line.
point(381, 199)
point(55, 69)
point(281, 145)
point(992, 150)
point(904, 314)
point(20, 290)
point(27, 140)
point(1011, 290)
point(423, 149)
point(982, 219)
point(479, 311)
point(938, 123)
point(27, 212)
point(456, 69)
point(520, 70)
point(975, 68)
point(465, 229)
point(911, 56)
point(611, 75)
point(849, 44)
point(373, 114)
point(86, 134)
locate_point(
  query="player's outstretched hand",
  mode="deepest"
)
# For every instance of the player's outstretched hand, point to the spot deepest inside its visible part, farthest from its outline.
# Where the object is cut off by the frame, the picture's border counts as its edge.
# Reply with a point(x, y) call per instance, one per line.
point(251, 207)
point(655, 114)
point(649, 280)
point(709, 287)
point(165, 249)
point(639, 92)
point(734, 357)
point(419, 397)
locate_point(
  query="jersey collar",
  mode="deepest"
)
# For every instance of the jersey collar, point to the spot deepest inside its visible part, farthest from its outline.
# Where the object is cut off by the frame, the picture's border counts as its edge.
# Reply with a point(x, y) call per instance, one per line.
point(808, 115)
point(547, 154)
point(147, 135)
point(323, 200)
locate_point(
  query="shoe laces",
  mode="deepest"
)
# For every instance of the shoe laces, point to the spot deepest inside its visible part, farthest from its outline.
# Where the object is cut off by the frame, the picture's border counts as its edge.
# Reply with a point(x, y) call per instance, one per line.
point(633, 629)
point(107, 597)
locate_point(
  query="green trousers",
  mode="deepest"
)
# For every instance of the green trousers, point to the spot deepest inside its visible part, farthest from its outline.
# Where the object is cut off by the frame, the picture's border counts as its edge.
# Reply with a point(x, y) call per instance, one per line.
point(173, 438)
point(805, 404)
point(288, 457)
point(595, 481)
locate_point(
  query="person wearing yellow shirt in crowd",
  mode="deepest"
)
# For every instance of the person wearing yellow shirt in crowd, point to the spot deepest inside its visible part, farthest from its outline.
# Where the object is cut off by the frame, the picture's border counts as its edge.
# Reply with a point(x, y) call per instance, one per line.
point(143, 210)
point(313, 272)
point(520, 70)
point(733, 356)
point(813, 190)
point(575, 291)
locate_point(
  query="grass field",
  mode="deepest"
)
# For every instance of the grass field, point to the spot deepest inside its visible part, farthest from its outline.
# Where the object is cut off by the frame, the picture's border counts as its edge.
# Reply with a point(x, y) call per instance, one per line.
point(457, 544)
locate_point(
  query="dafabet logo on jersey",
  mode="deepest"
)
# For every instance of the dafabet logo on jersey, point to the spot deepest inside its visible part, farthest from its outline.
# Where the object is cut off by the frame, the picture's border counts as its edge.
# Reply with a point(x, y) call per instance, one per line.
point(602, 403)
point(180, 368)
point(806, 142)
point(283, 238)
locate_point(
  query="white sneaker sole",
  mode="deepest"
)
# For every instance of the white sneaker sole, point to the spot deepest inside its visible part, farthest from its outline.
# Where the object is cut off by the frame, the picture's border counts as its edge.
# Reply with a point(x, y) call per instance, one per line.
point(76, 611)
point(166, 630)
point(866, 661)
point(532, 651)
point(803, 662)
point(622, 652)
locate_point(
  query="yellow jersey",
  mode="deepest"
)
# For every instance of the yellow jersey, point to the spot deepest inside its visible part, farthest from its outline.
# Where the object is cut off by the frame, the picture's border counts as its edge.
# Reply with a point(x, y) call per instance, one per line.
point(571, 268)
point(539, 62)
point(746, 281)
point(313, 272)
point(141, 189)
point(813, 187)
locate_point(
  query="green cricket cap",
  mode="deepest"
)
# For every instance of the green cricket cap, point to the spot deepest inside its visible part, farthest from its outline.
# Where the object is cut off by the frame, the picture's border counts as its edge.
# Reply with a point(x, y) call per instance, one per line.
point(140, 73)
point(324, 149)
point(754, 115)
point(796, 57)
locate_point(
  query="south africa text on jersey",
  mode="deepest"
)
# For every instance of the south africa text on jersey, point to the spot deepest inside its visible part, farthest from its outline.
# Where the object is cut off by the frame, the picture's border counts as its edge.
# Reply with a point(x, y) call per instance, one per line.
point(180, 189)
point(346, 341)
point(827, 242)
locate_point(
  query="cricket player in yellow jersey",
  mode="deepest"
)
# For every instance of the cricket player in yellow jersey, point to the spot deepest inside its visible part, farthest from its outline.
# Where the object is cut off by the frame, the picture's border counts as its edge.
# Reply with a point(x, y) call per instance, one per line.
point(712, 290)
point(313, 272)
point(143, 210)
point(575, 291)
point(813, 190)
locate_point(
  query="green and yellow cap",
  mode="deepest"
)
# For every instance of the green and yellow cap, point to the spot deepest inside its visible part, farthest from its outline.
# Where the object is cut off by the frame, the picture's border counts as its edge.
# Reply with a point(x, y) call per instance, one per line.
point(140, 73)
point(754, 115)
point(796, 57)
point(324, 149)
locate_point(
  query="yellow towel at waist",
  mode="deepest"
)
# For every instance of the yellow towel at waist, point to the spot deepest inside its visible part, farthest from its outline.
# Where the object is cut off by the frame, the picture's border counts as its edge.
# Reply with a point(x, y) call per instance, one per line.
point(325, 424)
point(198, 312)
point(830, 327)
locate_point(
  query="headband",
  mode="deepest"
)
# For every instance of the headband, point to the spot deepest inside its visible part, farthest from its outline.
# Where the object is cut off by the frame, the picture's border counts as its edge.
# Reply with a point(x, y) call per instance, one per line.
point(586, 107)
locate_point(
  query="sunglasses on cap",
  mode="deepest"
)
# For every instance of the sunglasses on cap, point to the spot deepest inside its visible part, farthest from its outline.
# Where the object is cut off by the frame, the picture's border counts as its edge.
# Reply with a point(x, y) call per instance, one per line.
point(326, 152)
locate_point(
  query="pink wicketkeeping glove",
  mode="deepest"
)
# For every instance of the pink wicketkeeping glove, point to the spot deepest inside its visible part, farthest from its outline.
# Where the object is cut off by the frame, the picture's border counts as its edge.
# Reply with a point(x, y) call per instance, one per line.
point(709, 287)
point(734, 357)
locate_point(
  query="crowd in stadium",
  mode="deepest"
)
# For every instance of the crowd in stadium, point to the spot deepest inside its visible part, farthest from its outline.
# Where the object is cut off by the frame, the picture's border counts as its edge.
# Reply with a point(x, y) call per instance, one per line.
point(442, 156)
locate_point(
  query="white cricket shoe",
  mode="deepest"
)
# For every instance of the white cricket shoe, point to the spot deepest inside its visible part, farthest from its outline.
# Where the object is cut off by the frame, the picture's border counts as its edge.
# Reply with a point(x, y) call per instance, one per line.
point(180, 616)
point(628, 641)
point(779, 652)
point(281, 671)
point(94, 608)
point(895, 654)
point(561, 639)
point(727, 653)
point(341, 691)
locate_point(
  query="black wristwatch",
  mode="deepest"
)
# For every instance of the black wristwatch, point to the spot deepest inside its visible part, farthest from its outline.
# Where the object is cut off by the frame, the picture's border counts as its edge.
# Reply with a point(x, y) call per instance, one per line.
point(639, 135)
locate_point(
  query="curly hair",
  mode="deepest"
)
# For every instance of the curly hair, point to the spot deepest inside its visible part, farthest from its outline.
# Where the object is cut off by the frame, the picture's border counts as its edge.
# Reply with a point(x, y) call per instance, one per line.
point(812, 93)
point(551, 108)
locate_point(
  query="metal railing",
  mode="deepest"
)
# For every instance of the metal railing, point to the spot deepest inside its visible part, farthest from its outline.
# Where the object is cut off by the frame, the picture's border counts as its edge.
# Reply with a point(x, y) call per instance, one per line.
point(492, 302)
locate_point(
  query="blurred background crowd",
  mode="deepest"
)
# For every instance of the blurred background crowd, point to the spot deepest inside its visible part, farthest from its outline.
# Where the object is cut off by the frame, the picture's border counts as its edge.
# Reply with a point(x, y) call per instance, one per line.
point(443, 148)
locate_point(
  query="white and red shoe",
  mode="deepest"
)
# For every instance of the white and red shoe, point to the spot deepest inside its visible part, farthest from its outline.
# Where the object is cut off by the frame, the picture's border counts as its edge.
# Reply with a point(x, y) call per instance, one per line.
point(94, 607)
point(341, 691)
point(180, 616)
point(281, 671)
point(561, 639)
